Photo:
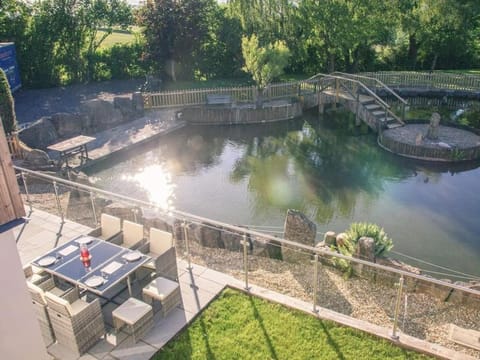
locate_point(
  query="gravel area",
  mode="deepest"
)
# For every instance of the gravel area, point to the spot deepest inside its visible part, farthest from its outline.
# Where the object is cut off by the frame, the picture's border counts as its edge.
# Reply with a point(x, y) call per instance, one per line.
point(32, 104)
point(456, 138)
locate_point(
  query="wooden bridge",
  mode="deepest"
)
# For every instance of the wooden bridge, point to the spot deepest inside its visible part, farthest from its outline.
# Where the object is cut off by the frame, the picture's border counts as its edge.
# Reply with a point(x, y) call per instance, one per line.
point(317, 91)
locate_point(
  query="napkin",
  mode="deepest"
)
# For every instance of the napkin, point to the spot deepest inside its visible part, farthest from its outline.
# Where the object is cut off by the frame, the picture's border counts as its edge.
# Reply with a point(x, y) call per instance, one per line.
point(68, 250)
point(111, 268)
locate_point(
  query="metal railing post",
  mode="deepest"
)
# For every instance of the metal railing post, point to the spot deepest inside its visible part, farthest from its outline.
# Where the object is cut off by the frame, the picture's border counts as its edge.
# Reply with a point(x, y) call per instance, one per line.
point(245, 260)
point(92, 200)
point(397, 308)
point(59, 206)
point(315, 283)
point(187, 247)
point(29, 201)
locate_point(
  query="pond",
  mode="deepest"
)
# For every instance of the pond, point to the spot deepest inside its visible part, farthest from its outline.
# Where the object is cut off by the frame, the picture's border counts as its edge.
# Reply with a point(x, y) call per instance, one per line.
point(325, 167)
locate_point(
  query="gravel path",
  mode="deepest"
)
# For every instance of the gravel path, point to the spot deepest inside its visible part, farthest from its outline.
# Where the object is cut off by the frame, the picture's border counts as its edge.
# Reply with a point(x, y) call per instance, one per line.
point(31, 105)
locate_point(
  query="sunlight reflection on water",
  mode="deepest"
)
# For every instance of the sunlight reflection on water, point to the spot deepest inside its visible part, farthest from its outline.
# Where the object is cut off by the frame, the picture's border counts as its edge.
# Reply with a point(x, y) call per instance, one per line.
point(156, 181)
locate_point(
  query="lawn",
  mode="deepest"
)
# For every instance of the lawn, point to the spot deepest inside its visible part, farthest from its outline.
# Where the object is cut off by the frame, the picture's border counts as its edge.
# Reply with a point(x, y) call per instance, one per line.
point(116, 37)
point(238, 326)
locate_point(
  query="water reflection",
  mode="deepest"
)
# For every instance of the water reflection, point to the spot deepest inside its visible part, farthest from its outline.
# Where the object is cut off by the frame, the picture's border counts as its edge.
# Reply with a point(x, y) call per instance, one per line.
point(156, 181)
point(329, 169)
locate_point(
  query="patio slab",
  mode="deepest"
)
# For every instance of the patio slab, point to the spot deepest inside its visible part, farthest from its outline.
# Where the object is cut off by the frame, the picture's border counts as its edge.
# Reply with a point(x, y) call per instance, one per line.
point(199, 286)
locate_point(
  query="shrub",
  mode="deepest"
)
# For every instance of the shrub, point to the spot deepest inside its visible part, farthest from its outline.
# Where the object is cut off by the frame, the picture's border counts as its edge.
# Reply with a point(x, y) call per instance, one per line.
point(7, 110)
point(382, 242)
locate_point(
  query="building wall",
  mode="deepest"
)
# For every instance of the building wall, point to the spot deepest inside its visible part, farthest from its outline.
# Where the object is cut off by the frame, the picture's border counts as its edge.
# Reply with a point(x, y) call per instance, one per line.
point(20, 336)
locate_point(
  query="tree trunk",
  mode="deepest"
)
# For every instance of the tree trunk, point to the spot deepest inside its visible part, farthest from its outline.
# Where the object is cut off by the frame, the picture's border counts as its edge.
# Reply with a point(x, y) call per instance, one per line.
point(331, 62)
point(412, 51)
point(172, 70)
point(434, 62)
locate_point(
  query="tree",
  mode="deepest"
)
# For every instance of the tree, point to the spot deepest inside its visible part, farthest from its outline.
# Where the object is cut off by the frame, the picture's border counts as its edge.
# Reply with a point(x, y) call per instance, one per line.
point(264, 63)
point(174, 32)
point(7, 110)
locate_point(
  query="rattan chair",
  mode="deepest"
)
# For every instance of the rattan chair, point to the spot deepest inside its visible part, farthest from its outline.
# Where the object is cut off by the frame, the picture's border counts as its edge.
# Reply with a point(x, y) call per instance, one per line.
point(110, 228)
point(164, 256)
point(77, 324)
point(37, 292)
point(135, 315)
point(163, 292)
point(131, 236)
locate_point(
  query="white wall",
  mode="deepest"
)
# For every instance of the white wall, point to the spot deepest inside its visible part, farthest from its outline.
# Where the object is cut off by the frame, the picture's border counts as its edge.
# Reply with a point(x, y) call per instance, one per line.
point(20, 336)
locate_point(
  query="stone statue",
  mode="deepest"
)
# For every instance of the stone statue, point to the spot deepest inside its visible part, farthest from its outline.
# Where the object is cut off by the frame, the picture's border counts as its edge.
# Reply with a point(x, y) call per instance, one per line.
point(432, 133)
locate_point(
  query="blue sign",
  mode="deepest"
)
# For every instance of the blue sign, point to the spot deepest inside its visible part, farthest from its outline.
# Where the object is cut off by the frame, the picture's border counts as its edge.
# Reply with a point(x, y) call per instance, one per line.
point(8, 63)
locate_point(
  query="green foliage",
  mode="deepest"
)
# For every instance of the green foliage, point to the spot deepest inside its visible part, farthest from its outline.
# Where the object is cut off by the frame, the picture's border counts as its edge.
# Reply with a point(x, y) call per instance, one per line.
point(239, 326)
point(264, 63)
point(382, 242)
point(7, 110)
point(471, 117)
point(121, 61)
point(174, 31)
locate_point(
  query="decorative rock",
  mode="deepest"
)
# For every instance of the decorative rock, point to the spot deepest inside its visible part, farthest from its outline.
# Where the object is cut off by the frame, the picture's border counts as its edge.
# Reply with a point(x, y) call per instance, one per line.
point(69, 125)
point(232, 241)
point(300, 229)
point(37, 159)
point(40, 134)
point(137, 103)
point(329, 238)
point(365, 249)
point(341, 239)
point(211, 238)
point(124, 212)
point(102, 114)
point(125, 105)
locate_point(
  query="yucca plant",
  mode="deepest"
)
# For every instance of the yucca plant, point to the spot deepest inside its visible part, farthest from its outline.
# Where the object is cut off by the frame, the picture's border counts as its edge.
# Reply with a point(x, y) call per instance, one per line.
point(382, 242)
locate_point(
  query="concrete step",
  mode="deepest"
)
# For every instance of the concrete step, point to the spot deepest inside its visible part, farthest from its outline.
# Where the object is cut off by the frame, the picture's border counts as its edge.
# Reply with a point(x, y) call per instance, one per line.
point(387, 119)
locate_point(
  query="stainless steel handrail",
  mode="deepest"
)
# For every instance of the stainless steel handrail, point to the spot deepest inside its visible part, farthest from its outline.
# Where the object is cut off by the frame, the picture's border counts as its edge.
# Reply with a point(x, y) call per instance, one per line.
point(241, 230)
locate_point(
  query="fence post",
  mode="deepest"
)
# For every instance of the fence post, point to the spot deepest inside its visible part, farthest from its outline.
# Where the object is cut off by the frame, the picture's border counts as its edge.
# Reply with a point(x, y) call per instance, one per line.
point(92, 200)
point(59, 206)
point(397, 308)
point(187, 247)
point(24, 178)
point(245, 260)
point(315, 283)
point(357, 116)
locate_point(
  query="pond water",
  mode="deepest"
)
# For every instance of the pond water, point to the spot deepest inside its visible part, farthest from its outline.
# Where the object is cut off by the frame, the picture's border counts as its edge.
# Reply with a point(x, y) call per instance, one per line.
point(326, 168)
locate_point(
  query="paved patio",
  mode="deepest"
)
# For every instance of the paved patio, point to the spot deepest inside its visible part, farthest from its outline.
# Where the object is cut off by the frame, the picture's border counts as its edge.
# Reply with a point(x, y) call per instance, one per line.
point(199, 286)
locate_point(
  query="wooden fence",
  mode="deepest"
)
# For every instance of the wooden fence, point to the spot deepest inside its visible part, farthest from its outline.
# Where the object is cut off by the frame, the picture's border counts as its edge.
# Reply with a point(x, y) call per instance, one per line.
point(197, 96)
point(434, 80)
point(14, 147)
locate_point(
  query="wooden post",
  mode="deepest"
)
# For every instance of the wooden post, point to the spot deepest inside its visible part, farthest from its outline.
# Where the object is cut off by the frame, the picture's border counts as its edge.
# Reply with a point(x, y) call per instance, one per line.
point(11, 205)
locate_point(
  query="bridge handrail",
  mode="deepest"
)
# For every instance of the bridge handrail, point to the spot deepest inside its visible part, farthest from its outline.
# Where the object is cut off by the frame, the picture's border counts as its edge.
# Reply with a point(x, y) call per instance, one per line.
point(370, 92)
point(242, 230)
point(386, 87)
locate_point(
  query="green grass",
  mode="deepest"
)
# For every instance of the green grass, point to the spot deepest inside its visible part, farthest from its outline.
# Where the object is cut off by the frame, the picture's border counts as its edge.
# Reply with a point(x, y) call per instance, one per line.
point(116, 37)
point(238, 326)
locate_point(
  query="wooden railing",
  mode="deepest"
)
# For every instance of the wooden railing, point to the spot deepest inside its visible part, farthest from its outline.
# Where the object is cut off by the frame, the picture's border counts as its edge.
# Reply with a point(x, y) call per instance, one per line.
point(190, 97)
point(434, 80)
point(14, 147)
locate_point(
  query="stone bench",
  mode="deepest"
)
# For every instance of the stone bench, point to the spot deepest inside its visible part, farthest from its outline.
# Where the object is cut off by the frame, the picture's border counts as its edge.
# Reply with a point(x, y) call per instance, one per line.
point(219, 99)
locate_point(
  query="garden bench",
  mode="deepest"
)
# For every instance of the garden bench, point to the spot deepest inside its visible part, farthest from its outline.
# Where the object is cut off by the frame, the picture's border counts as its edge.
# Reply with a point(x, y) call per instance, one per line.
point(219, 99)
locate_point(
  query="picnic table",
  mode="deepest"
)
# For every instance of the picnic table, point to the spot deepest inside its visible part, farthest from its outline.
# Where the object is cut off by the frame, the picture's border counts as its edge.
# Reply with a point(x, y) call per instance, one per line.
point(71, 147)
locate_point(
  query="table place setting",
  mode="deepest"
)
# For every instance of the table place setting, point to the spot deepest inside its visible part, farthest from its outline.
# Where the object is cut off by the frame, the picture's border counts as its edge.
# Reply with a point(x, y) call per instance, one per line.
point(132, 256)
point(94, 281)
point(68, 250)
point(47, 261)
